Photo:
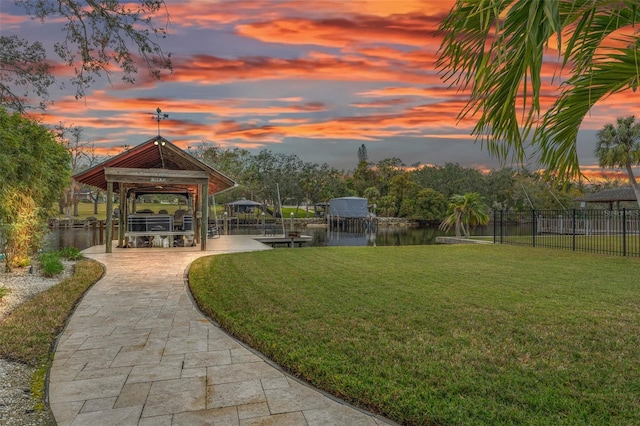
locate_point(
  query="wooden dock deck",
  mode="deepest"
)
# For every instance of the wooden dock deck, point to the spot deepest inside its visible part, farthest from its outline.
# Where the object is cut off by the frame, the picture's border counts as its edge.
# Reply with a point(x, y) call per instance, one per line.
point(287, 240)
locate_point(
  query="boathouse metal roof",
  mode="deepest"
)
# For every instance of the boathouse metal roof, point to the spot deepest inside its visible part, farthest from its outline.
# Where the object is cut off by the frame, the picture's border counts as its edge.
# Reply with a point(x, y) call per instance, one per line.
point(610, 196)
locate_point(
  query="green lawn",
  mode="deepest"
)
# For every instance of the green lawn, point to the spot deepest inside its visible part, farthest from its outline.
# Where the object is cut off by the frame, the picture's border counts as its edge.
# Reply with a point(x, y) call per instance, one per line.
point(605, 244)
point(443, 334)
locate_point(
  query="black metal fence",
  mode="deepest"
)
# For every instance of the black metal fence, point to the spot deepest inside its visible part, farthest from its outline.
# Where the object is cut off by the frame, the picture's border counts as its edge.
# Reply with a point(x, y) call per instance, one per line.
point(615, 232)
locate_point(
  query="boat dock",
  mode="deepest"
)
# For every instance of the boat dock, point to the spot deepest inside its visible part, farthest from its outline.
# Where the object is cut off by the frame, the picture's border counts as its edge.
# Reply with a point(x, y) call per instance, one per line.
point(291, 239)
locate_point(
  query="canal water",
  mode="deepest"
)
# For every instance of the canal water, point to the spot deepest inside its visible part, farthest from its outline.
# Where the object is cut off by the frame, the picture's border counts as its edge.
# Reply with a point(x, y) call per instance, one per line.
point(321, 237)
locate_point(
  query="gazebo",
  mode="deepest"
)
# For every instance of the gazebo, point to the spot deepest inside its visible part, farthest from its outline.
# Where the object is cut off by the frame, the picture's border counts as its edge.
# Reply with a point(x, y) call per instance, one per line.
point(244, 206)
point(155, 166)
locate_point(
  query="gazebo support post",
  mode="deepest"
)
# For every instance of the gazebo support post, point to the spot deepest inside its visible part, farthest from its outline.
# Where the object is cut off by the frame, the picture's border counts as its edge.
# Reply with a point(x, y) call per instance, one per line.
point(122, 216)
point(124, 212)
point(204, 228)
point(197, 214)
point(109, 236)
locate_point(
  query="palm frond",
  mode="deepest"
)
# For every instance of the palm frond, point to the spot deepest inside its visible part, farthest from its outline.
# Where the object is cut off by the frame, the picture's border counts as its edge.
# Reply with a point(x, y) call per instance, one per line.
point(556, 138)
point(496, 48)
point(499, 68)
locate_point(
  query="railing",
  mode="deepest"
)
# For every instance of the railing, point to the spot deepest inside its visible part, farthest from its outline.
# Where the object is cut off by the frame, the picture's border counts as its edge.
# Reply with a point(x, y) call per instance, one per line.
point(615, 232)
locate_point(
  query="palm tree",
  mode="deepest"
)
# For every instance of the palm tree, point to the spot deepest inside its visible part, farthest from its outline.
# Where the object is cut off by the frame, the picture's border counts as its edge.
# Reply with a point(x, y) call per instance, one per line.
point(619, 146)
point(496, 48)
point(465, 211)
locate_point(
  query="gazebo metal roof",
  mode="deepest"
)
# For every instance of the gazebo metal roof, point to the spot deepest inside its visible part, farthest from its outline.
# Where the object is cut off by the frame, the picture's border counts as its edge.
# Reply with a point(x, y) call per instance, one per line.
point(156, 153)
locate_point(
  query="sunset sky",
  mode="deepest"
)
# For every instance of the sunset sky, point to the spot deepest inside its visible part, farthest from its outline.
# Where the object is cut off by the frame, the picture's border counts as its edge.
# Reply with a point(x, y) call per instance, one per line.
point(314, 78)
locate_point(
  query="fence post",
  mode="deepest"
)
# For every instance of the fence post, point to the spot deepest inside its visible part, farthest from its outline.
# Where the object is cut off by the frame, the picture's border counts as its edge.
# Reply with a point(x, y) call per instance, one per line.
point(501, 226)
point(534, 226)
point(573, 231)
point(624, 231)
point(495, 214)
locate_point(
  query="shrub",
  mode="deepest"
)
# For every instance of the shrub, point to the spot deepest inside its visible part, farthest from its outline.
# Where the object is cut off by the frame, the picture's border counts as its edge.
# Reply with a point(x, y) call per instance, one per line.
point(22, 230)
point(71, 253)
point(51, 264)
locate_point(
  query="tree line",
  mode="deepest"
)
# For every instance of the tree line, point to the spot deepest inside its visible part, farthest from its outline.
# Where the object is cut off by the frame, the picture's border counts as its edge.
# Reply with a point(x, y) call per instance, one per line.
point(417, 192)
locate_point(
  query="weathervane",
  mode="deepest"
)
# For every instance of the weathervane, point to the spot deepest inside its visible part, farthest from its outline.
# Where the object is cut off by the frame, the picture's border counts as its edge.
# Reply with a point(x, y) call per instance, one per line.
point(159, 116)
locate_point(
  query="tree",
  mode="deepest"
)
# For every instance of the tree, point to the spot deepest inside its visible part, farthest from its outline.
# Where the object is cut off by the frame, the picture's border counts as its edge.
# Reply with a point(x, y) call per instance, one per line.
point(386, 170)
point(372, 195)
point(234, 163)
point(92, 158)
point(24, 65)
point(318, 183)
point(363, 177)
point(533, 191)
point(71, 138)
point(308, 182)
point(498, 187)
point(427, 205)
point(98, 36)
point(465, 211)
point(496, 48)
point(402, 187)
point(362, 154)
point(386, 205)
point(450, 179)
point(34, 169)
point(619, 146)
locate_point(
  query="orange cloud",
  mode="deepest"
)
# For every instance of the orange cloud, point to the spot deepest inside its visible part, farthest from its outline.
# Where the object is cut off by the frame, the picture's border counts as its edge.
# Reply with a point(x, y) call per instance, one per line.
point(381, 103)
point(426, 92)
point(207, 70)
point(411, 30)
point(595, 173)
point(413, 122)
point(387, 8)
point(208, 14)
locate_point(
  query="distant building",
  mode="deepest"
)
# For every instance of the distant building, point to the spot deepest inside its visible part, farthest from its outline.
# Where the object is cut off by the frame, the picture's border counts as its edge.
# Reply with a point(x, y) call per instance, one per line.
point(611, 196)
point(244, 206)
point(87, 194)
point(349, 207)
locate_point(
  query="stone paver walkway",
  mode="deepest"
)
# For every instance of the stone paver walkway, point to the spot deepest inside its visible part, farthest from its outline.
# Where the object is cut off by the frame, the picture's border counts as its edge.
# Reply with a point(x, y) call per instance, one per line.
point(137, 351)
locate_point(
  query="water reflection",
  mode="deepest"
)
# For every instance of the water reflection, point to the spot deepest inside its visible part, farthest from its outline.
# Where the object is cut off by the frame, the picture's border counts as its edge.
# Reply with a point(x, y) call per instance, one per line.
point(396, 236)
point(80, 238)
point(383, 237)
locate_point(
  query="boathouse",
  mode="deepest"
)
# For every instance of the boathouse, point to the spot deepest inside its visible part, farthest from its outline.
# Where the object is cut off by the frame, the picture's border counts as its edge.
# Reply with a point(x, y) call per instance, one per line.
point(349, 207)
point(156, 166)
point(350, 214)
